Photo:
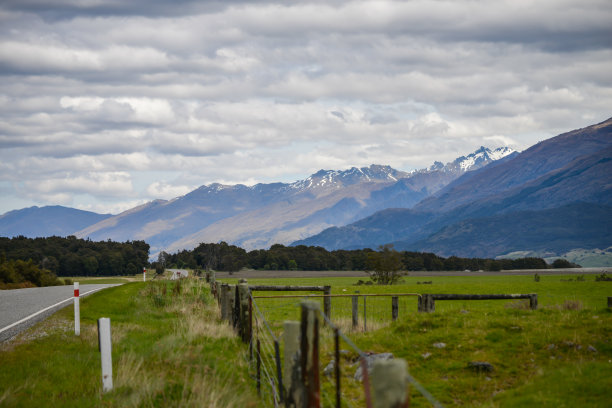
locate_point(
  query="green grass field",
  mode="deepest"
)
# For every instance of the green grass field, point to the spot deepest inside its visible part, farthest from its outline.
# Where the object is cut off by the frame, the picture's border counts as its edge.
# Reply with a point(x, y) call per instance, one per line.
point(557, 356)
point(169, 348)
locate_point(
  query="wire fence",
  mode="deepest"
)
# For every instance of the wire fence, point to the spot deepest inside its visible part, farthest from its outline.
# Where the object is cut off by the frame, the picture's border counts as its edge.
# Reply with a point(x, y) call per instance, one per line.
point(356, 312)
point(332, 370)
point(299, 353)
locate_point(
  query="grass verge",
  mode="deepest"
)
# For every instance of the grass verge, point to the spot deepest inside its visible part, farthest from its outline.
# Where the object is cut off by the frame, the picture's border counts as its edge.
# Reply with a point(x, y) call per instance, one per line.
point(169, 349)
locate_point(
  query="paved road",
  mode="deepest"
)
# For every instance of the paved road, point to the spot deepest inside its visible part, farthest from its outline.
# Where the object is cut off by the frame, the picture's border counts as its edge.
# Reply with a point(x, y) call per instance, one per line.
point(16, 306)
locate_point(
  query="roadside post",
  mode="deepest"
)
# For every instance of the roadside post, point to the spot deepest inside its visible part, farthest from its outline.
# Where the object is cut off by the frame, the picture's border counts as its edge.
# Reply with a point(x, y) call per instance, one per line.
point(144, 274)
point(77, 311)
point(104, 343)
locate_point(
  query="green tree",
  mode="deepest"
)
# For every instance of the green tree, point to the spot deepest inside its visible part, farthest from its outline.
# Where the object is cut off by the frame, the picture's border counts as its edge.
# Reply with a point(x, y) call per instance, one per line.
point(385, 265)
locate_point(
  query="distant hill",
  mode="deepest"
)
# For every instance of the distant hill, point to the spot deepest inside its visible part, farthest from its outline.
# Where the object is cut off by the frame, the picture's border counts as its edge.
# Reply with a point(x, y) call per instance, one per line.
point(47, 221)
point(572, 168)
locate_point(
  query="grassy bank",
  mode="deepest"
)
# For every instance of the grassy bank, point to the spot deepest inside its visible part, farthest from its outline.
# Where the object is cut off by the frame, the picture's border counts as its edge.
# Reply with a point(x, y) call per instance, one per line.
point(168, 350)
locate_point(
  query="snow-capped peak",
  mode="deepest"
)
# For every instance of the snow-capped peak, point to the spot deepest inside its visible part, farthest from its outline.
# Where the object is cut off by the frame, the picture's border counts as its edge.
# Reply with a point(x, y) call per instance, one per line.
point(480, 157)
point(340, 178)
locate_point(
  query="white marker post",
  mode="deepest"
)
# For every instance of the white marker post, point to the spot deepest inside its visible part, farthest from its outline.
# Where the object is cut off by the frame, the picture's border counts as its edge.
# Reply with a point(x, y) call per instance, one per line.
point(144, 274)
point(77, 311)
point(104, 342)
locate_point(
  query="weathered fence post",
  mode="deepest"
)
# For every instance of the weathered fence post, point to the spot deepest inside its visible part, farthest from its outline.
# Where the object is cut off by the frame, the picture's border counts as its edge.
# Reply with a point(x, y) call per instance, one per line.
point(279, 372)
point(533, 301)
point(426, 303)
point(104, 343)
point(223, 301)
point(309, 350)
point(389, 384)
point(355, 310)
point(394, 307)
point(610, 302)
point(291, 354)
point(231, 300)
point(327, 301)
point(243, 312)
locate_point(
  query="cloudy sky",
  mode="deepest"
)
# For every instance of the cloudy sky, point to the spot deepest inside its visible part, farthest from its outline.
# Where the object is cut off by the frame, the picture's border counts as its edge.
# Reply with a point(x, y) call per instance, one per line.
point(106, 104)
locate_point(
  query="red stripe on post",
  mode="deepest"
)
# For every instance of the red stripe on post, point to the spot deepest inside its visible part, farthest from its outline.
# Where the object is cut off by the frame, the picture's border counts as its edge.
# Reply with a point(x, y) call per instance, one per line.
point(76, 293)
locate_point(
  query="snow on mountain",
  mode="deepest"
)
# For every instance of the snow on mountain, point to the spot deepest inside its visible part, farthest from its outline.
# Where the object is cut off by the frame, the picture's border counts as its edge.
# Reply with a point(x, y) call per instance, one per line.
point(263, 214)
point(379, 173)
point(479, 157)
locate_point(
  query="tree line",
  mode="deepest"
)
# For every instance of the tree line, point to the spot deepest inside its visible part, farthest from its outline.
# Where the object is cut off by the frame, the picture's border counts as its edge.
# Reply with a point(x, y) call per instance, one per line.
point(70, 256)
point(225, 257)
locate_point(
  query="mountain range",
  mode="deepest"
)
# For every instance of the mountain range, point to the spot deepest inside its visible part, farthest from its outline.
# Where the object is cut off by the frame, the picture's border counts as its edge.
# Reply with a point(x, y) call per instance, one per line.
point(554, 197)
point(255, 216)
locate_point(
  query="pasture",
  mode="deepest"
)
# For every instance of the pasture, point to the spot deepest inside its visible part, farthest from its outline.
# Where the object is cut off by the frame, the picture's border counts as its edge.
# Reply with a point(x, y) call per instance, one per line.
point(558, 355)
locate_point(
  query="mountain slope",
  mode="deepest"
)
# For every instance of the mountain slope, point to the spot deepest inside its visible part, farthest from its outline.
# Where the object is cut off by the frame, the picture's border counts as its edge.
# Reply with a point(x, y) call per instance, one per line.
point(532, 163)
point(330, 198)
point(556, 230)
point(264, 214)
point(47, 221)
point(569, 168)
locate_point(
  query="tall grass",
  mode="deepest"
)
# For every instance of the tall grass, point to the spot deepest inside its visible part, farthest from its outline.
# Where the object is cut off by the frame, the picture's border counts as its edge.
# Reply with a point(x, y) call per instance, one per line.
point(169, 349)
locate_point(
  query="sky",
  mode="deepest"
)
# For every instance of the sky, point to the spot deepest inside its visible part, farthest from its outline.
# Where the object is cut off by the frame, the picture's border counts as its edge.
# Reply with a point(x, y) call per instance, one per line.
point(107, 104)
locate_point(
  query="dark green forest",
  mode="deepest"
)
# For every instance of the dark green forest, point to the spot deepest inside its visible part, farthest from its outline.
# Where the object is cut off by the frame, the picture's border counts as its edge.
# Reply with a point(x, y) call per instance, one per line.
point(38, 261)
point(70, 256)
point(225, 257)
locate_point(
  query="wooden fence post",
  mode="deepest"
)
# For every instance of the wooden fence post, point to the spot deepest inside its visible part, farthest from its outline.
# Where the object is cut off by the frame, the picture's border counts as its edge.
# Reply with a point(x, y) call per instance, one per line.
point(327, 301)
point(295, 391)
point(243, 312)
point(394, 307)
point(609, 302)
point(355, 310)
point(533, 301)
point(309, 350)
point(389, 384)
point(426, 303)
point(223, 301)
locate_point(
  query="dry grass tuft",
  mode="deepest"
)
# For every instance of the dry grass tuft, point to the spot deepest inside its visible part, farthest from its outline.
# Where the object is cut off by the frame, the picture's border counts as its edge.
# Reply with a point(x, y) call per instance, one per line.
point(139, 384)
point(569, 305)
point(209, 389)
point(522, 304)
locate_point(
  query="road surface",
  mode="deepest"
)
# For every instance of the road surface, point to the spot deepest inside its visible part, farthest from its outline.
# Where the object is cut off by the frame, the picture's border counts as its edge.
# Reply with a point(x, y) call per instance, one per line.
point(22, 308)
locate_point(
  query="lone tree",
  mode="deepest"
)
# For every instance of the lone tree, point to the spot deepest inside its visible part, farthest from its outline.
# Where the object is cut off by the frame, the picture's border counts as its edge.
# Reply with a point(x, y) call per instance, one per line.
point(162, 260)
point(385, 266)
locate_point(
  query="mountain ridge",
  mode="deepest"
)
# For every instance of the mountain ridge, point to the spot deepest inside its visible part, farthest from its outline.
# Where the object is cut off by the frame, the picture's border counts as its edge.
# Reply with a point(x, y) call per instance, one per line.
point(574, 166)
point(263, 214)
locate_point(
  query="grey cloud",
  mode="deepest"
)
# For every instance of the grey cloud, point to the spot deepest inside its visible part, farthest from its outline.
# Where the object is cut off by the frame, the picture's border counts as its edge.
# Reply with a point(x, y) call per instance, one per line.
point(160, 86)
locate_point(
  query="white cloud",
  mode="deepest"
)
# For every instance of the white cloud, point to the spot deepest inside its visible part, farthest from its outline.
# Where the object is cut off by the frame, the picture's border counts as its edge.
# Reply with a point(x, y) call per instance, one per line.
point(94, 96)
point(167, 191)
